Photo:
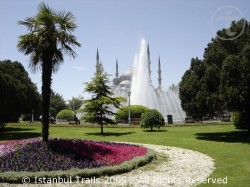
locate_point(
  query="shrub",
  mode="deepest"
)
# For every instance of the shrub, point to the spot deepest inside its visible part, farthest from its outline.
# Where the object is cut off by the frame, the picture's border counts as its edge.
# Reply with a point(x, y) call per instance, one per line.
point(135, 110)
point(238, 120)
point(65, 114)
point(152, 118)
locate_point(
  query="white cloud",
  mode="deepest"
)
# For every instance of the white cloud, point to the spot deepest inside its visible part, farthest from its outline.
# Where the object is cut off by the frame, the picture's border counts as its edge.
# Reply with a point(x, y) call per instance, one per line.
point(78, 68)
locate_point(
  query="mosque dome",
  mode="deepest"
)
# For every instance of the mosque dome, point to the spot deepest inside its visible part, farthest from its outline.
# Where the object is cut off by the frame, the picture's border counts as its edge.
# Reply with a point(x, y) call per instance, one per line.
point(127, 73)
point(125, 82)
point(123, 88)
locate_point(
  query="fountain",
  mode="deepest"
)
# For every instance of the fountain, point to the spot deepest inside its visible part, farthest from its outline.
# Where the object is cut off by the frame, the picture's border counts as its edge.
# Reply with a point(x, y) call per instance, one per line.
point(138, 81)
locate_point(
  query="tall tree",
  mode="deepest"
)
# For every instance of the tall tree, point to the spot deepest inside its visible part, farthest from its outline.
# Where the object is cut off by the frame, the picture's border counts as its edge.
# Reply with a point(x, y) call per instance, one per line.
point(99, 107)
point(49, 38)
point(75, 103)
point(235, 85)
point(18, 94)
point(225, 81)
point(57, 103)
point(192, 91)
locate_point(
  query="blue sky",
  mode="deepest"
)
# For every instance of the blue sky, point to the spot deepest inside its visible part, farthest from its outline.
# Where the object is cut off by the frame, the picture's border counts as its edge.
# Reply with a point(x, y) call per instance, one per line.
point(175, 30)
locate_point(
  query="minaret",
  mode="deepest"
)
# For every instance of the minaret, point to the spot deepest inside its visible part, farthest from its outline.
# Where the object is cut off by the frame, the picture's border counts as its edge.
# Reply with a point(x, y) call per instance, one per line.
point(149, 63)
point(116, 79)
point(159, 73)
point(98, 62)
point(116, 73)
point(97, 57)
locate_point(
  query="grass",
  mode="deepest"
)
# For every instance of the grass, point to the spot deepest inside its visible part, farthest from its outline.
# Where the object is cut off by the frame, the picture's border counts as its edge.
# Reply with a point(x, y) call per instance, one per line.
point(229, 147)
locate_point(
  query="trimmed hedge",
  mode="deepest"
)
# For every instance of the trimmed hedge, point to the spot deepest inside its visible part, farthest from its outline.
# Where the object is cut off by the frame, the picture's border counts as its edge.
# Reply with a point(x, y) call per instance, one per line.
point(136, 112)
point(65, 114)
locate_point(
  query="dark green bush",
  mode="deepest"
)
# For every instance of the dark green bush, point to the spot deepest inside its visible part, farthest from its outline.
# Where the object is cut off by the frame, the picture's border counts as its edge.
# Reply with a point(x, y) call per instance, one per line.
point(135, 110)
point(152, 118)
point(239, 120)
point(65, 114)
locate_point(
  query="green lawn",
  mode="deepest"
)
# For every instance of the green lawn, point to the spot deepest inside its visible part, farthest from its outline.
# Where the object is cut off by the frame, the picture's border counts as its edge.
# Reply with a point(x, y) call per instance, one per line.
point(229, 147)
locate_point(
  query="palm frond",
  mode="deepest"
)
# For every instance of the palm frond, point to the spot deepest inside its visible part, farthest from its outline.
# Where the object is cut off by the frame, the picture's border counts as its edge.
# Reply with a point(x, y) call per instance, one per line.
point(57, 60)
point(66, 21)
point(27, 43)
point(44, 9)
point(68, 50)
point(30, 23)
point(50, 34)
point(34, 63)
point(66, 38)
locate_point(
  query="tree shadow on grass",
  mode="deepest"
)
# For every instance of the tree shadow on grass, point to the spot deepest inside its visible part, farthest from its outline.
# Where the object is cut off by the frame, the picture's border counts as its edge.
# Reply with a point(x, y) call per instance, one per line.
point(154, 130)
point(11, 129)
point(16, 133)
point(230, 137)
point(109, 133)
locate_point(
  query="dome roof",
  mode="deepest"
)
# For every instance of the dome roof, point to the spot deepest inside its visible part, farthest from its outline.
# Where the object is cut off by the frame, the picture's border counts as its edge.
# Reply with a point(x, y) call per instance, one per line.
point(123, 88)
point(127, 73)
point(125, 82)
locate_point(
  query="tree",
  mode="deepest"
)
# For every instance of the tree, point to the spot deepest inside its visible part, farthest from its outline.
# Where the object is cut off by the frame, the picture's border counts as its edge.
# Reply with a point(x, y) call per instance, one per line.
point(50, 37)
point(99, 107)
point(152, 118)
point(235, 86)
point(225, 82)
point(136, 112)
point(18, 94)
point(234, 83)
point(192, 91)
point(75, 103)
point(57, 103)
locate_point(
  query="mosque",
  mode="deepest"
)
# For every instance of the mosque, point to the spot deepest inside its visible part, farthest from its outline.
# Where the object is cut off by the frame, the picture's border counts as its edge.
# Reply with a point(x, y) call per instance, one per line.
point(135, 84)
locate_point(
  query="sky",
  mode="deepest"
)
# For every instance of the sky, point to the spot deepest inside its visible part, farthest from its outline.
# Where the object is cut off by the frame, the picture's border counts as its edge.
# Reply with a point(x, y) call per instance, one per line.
point(176, 31)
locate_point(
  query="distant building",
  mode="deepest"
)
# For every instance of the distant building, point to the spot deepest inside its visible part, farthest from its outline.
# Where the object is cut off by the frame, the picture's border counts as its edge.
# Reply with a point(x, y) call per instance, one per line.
point(167, 102)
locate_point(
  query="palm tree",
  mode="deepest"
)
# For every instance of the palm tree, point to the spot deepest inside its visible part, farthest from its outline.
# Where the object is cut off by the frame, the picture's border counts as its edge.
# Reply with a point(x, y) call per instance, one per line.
point(49, 37)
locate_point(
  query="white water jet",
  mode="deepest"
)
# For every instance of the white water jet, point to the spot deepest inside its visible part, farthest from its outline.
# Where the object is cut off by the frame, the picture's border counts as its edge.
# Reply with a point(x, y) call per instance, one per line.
point(138, 81)
point(143, 93)
point(141, 89)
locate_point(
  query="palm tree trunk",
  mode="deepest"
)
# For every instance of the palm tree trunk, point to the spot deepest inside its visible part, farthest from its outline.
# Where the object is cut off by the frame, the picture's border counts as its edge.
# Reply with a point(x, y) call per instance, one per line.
point(46, 91)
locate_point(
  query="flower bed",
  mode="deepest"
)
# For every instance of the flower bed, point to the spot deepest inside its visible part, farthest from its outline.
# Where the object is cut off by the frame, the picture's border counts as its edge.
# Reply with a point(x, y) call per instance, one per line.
point(33, 155)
